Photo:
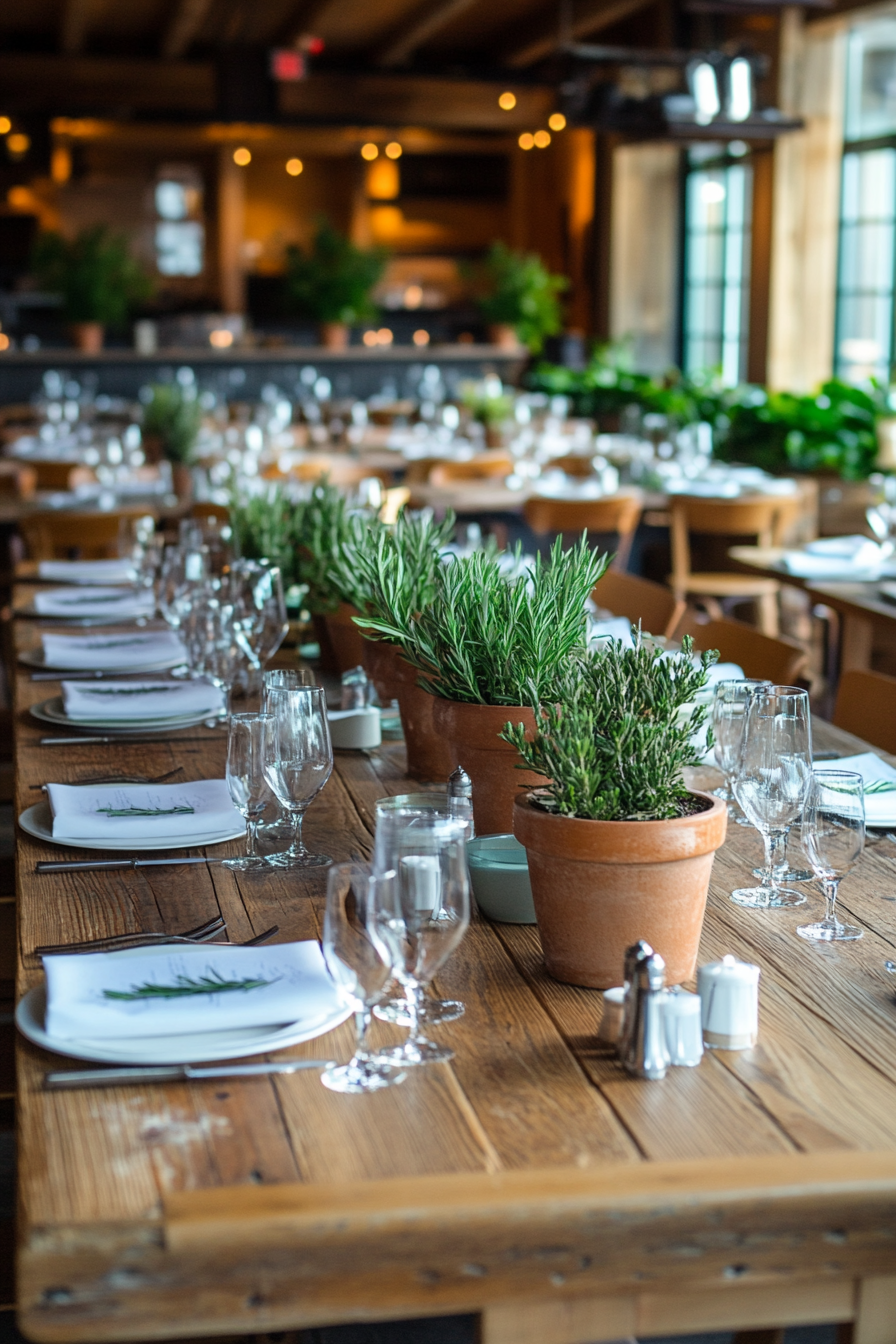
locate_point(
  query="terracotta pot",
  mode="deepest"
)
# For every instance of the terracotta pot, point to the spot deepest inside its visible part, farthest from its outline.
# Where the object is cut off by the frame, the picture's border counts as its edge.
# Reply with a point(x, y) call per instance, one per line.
point(494, 436)
point(327, 660)
point(333, 335)
point(504, 336)
point(429, 755)
point(87, 336)
point(472, 733)
point(182, 480)
point(599, 886)
point(153, 448)
point(346, 639)
point(379, 660)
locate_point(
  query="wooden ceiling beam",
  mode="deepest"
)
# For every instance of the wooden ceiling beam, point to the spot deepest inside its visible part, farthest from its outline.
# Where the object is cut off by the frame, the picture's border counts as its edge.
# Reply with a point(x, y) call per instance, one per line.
point(184, 25)
point(77, 18)
point(305, 18)
point(588, 17)
point(419, 28)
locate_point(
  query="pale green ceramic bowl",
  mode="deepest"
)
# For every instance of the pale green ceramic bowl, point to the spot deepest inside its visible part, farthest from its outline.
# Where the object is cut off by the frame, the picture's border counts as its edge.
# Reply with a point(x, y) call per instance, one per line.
point(499, 872)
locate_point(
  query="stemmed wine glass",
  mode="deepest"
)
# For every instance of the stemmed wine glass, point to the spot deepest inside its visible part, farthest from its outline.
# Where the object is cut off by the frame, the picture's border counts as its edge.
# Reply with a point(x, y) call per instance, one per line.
point(260, 620)
point(833, 838)
point(729, 714)
point(773, 777)
point(421, 917)
point(359, 968)
point(300, 764)
point(249, 745)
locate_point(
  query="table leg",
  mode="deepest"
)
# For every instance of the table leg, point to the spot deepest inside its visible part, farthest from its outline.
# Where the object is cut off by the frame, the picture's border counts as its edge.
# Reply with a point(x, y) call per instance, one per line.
point(875, 1319)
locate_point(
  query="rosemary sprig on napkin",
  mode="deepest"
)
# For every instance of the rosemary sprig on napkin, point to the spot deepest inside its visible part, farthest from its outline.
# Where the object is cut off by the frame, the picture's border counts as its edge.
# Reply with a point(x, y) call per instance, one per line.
point(210, 983)
point(880, 786)
point(182, 811)
point(127, 690)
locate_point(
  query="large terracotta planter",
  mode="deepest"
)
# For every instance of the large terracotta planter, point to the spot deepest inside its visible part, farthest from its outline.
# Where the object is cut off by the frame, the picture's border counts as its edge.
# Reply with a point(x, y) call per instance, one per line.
point(346, 639)
point(472, 733)
point(379, 659)
point(87, 336)
point(327, 656)
point(429, 755)
point(599, 886)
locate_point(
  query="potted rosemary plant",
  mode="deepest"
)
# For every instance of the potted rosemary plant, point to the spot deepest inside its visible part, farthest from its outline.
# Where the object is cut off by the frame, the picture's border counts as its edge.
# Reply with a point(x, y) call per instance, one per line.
point(519, 299)
point(171, 421)
point(619, 848)
point(332, 282)
point(98, 279)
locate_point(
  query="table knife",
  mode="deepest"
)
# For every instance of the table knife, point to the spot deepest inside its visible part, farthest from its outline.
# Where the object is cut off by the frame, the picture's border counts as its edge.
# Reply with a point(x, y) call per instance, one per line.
point(160, 739)
point(176, 1073)
point(109, 865)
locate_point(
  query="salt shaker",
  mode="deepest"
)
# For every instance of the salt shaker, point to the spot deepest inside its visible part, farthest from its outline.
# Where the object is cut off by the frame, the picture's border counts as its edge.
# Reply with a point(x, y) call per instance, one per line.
point(638, 952)
point(460, 798)
point(646, 1054)
point(729, 997)
point(611, 1018)
point(684, 1031)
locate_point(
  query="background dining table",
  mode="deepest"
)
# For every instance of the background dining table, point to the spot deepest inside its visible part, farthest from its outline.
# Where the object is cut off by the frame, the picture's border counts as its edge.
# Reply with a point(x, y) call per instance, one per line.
point(530, 1180)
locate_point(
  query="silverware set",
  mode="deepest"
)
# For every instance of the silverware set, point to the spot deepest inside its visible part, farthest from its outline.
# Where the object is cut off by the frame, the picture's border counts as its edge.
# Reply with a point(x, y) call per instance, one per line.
point(175, 1073)
point(118, 942)
point(123, 779)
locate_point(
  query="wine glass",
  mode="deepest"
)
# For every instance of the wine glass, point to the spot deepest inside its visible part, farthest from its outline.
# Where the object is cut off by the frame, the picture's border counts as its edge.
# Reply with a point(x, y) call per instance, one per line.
point(773, 776)
point(249, 745)
point(881, 516)
point(729, 712)
point(421, 917)
point(276, 829)
point(260, 623)
point(359, 969)
point(833, 838)
point(300, 764)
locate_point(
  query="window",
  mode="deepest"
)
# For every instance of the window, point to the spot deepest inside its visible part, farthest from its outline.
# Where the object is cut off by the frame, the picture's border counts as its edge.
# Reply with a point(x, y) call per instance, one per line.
point(179, 231)
point(866, 272)
point(716, 281)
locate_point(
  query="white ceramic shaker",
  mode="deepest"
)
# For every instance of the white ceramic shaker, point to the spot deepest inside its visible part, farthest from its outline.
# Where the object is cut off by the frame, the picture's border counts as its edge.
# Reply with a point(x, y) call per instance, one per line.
point(729, 998)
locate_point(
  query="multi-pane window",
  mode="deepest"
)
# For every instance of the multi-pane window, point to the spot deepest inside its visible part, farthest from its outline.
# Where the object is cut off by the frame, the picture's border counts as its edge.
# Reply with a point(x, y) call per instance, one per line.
point(716, 281)
point(179, 230)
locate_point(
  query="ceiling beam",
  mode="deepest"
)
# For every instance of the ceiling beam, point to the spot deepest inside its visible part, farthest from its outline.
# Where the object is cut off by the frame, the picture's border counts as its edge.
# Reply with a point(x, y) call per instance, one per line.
point(305, 18)
point(185, 22)
point(419, 28)
point(588, 17)
point(77, 17)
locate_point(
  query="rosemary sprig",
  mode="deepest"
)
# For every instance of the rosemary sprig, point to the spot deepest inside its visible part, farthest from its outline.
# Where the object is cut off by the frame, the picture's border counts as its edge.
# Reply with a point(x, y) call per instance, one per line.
point(185, 987)
point(183, 811)
point(128, 690)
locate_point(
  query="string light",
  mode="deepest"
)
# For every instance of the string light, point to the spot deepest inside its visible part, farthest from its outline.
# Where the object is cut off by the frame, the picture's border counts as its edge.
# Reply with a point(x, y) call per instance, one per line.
point(294, 167)
point(421, 337)
point(393, 150)
point(507, 101)
point(557, 121)
point(526, 141)
point(541, 139)
point(5, 125)
point(370, 151)
point(242, 156)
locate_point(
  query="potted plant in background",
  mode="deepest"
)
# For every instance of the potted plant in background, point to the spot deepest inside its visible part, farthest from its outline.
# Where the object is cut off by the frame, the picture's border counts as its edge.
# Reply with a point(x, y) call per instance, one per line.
point(519, 298)
point(490, 406)
point(332, 282)
point(172, 417)
point(98, 279)
point(619, 848)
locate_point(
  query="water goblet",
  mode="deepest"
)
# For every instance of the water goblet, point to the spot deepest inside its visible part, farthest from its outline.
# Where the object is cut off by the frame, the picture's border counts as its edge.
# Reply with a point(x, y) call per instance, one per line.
point(249, 744)
point(261, 624)
point(277, 827)
point(772, 779)
point(833, 838)
point(729, 713)
point(300, 764)
point(359, 969)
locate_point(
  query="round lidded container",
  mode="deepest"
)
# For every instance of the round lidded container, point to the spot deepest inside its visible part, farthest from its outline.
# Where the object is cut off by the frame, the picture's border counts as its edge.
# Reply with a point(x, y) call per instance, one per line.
point(499, 873)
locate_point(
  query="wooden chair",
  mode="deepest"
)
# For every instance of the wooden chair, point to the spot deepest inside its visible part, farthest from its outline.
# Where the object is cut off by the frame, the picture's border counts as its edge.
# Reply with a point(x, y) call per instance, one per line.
point(656, 607)
point(61, 475)
point(341, 471)
point(866, 706)
point(205, 509)
point(394, 500)
point(483, 467)
point(780, 660)
point(573, 464)
point(764, 518)
point(67, 535)
point(614, 513)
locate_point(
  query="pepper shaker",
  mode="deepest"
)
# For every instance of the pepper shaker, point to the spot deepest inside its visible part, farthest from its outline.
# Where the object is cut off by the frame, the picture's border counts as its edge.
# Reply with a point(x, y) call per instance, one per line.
point(638, 952)
point(460, 798)
point(647, 1055)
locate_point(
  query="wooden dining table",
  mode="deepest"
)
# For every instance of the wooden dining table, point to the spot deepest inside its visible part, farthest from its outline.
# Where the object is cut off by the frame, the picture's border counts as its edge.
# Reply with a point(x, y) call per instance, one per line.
point(529, 1181)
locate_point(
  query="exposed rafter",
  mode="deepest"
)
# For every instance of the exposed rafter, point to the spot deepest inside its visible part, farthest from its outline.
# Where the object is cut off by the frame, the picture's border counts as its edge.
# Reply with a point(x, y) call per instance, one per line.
point(77, 16)
point(185, 23)
point(305, 18)
point(588, 17)
point(421, 26)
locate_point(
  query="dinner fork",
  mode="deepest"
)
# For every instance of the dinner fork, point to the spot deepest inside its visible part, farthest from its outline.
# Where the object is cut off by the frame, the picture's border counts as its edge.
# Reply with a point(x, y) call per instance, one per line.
point(199, 934)
point(154, 940)
point(122, 779)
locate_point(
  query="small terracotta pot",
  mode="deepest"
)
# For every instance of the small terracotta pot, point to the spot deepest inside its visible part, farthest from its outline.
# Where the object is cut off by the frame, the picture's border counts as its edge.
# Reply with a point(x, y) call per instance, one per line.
point(345, 638)
point(599, 886)
point(182, 480)
point(379, 659)
point(504, 336)
point(87, 336)
point(472, 733)
point(429, 755)
point(333, 335)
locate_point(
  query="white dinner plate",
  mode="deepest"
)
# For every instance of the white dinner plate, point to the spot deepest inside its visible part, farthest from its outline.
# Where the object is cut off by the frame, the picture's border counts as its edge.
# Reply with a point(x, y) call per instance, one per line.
point(37, 820)
point(53, 711)
point(192, 1049)
point(29, 612)
point(35, 658)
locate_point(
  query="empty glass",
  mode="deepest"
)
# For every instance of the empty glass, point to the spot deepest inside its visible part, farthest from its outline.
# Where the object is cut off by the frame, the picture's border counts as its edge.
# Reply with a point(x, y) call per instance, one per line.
point(249, 745)
point(833, 838)
point(359, 967)
point(260, 620)
point(729, 714)
point(421, 917)
point(772, 780)
point(300, 764)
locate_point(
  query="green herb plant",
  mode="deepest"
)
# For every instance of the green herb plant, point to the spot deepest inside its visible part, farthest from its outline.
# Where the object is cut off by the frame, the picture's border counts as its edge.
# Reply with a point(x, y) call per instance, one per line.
point(334, 279)
point(185, 987)
point(173, 414)
point(264, 528)
point(94, 272)
point(614, 739)
point(389, 573)
point(517, 291)
point(183, 811)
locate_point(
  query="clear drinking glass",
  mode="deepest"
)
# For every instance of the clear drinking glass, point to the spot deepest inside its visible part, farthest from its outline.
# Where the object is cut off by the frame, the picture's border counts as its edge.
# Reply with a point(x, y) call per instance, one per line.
point(772, 780)
point(300, 764)
point(359, 968)
point(729, 713)
point(249, 745)
point(260, 620)
point(421, 917)
point(833, 838)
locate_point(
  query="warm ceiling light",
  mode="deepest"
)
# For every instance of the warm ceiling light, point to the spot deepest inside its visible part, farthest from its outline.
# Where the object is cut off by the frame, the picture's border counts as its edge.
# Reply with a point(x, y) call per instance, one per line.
point(369, 151)
point(18, 143)
point(507, 101)
point(413, 296)
point(5, 125)
point(4, 341)
point(420, 338)
point(393, 150)
point(557, 121)
point(294, 167)
point(220, 338)
point(242, 156)
point(369, 338)
point(384, 336)
point(541, 139)
point(526, 141)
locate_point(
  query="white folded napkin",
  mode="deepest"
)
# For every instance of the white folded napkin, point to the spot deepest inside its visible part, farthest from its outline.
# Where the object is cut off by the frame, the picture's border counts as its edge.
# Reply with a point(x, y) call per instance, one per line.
point(110, 653)
point(836, 557)
point(280, 984)
point(880, 804)
point(141, 811)
point(131, 700)
point(121, 604)
point(86, 571)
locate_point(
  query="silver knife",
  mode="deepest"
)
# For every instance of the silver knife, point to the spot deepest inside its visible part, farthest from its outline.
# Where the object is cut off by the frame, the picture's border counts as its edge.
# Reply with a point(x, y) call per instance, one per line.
point(160, 739)
point(108, 865)
point(175, 1073)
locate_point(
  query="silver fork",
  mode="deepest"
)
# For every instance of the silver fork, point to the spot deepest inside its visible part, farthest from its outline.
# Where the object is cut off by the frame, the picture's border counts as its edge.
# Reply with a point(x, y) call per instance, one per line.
point(156, 940)
point(122, 779)
point(209, 929)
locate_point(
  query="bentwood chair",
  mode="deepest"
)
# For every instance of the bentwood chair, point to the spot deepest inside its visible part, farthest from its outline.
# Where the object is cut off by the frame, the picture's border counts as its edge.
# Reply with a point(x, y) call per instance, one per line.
point(780, 660)
point(866, 706)
point(763, 517)
point(614, 513)
point(654, 606)
point(204, 509)
point(67, 535)
point(489, 466)
point(54, 475)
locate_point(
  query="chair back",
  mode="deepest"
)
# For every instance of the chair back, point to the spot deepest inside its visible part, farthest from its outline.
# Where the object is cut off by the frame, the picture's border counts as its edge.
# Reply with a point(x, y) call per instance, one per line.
point(68, 535)
point(615, 513)
point(61, 475)
point(573, 464)
point(339, 470)
point(204, 509)
point(654, 606)
point(778, 659)
point(866, 706)
point(482, 467)
point(762, 516)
